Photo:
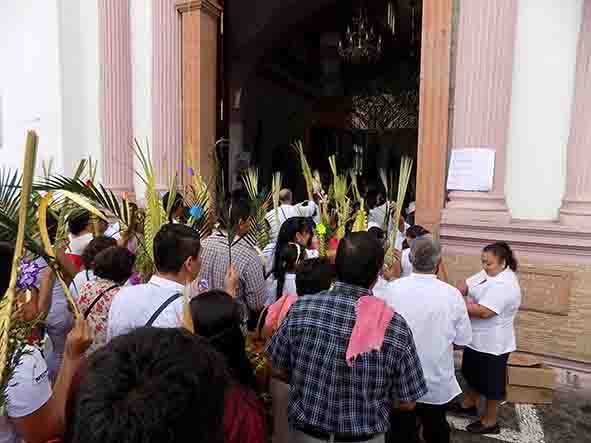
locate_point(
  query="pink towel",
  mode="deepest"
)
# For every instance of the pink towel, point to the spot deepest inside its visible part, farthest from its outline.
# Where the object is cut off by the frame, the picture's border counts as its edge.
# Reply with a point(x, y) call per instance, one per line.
point(278, 311)
point(373, 318)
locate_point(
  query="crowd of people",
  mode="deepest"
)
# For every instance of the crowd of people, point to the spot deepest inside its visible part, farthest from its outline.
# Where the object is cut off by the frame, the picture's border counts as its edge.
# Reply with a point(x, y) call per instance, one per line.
point(357, 351)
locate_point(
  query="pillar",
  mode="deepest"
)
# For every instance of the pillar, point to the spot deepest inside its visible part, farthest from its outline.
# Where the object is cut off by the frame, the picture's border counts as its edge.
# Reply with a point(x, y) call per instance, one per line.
point(116, 95)
point(199, 40)
point(576, 204)
point(482, 98)
point(434, 111)
point(167, 146)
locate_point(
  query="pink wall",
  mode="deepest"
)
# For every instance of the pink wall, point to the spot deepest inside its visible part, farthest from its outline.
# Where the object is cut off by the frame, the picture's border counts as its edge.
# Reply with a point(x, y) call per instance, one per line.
point(116, 94)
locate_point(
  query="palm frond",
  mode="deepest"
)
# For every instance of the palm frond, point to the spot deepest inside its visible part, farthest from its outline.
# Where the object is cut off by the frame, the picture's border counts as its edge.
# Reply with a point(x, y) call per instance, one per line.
point(100, 197)
point(306, 171)
point(260, 201)
point(10, 191)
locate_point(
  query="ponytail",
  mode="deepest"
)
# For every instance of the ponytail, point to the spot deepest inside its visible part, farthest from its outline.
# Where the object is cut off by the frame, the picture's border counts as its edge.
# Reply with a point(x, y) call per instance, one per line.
point(503, 251)
point(289, 257)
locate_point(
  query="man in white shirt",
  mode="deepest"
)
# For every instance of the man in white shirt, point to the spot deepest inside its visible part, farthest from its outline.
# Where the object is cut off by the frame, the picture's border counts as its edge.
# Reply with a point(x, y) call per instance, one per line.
point(159, 302)
point(288, 210)
point(437, 316)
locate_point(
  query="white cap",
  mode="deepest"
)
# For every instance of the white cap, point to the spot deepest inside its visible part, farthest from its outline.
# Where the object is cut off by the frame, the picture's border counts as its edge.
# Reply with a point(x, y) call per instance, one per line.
point(373, 225)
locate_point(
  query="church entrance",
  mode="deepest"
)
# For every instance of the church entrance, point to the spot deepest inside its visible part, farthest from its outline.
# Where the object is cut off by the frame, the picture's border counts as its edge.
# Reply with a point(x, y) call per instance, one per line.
point(292, 73)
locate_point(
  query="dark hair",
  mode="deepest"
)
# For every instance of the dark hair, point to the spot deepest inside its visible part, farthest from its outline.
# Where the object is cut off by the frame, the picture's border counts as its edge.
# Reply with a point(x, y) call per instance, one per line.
point(143, 387)
point(217, 317)
point(6, 257)
point(95, 246)
point(115, 264)
point(173, 245)
point(314, 275)
point(78, 222)
point(239, 209)
point(416, 231)
point(289, 256)
point(371, 197)
point(176, 204)
point(503, 252)
point(287, 234)
point(52, 225)
point(360, 257)
point(413, 232)
point(377, 232)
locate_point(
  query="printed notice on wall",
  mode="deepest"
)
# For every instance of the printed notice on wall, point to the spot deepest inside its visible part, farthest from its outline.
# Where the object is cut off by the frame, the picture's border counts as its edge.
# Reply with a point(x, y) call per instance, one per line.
point(471, 169)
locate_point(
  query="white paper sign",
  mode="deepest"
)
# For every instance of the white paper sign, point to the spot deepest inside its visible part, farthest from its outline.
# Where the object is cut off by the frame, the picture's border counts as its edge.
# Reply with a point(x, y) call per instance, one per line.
point(471, 169)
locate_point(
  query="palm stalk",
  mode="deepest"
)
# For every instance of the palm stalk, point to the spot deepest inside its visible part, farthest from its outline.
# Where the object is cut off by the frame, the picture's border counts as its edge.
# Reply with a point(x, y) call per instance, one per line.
point(8, 345)
point(50, 252)
point(275, 190)
point(155, 214)
point(404, 178)
point(306, 171)
point(342, 202)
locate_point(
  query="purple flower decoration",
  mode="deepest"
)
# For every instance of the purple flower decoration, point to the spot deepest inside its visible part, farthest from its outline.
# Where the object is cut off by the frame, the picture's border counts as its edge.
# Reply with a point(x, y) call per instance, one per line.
point(191, 172)
point(28, 275)
point(196, 211)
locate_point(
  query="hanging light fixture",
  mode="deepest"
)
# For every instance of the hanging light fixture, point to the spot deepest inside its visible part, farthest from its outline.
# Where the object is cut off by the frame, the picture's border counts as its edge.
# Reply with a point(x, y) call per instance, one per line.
point(361, 44)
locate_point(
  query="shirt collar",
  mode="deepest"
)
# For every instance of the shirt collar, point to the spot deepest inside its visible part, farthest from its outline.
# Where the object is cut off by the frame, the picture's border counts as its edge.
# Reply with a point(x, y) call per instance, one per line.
point(165, 283)
point(356, 291)
point(429, 276)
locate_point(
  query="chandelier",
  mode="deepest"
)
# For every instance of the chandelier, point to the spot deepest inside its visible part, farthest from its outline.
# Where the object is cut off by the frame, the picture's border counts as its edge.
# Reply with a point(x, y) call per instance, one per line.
point(361, 44)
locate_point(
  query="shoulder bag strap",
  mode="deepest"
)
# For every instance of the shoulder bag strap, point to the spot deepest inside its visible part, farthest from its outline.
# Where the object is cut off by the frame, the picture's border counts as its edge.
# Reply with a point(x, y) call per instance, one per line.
point(98, 297)
point(162, 307)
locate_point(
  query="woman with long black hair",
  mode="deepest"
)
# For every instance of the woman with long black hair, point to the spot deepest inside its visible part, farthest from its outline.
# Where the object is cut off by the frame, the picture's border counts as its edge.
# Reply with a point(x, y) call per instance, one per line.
point(493, 297)
point(216, 316)
point(298, 230)
point(284, 273)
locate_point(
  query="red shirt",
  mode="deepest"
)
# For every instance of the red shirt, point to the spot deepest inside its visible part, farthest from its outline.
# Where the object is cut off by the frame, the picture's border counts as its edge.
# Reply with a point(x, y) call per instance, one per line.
point(244, 417)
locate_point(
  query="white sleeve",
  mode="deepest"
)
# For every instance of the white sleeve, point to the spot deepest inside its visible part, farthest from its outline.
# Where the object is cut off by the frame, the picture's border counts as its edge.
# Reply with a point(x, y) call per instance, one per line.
point(29, 388)
point(306, 209)
point(112, 327)
point(462, 323)
point(495, 297)
point(476, 279)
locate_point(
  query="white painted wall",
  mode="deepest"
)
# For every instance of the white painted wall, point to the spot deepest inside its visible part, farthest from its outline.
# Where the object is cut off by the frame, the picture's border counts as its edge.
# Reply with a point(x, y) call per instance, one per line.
point(79, 57)
point(49, 81)
point(141, 64)
point(30, 83)
point(543, 88)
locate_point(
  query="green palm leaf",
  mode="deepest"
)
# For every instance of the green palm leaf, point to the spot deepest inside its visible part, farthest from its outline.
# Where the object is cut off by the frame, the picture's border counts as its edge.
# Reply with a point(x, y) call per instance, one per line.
point(98, 195)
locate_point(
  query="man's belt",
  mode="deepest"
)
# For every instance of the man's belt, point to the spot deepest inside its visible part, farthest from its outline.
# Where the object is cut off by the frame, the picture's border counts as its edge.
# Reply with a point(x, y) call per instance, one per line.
point(337, 438)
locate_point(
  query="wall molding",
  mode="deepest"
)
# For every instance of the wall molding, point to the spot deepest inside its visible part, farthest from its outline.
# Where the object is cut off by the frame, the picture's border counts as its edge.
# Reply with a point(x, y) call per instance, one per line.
point(550, 242)
point(212, 8)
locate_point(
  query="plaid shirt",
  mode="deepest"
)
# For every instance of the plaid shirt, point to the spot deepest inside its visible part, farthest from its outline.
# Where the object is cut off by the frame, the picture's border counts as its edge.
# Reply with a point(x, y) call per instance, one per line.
point(215, 262)
point(326, 393)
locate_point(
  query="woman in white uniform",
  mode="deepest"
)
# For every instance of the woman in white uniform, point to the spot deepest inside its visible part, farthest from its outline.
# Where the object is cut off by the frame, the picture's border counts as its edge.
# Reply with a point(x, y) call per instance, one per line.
point(493, 297)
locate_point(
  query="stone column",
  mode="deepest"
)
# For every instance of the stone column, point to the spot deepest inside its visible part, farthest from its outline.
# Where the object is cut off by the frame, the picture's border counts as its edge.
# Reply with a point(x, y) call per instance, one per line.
point(576, 204)
point(434, 109)
point(116, 95)
point(167, 148)
point(482, 97)
point(199, 40)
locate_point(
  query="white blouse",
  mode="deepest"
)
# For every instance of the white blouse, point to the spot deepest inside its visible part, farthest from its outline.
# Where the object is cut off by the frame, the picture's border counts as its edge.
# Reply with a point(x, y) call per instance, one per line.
point(502, 295)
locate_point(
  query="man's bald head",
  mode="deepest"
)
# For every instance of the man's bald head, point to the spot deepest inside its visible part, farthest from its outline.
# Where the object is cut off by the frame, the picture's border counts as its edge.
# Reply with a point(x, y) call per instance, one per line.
point(285, 197)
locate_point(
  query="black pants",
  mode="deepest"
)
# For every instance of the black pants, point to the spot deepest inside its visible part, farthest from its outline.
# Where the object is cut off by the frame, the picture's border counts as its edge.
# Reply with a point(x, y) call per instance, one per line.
point(404, 426)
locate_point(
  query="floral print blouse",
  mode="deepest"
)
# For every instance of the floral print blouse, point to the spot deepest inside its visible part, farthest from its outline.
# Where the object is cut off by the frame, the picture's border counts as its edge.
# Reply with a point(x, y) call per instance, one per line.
point(99, 314)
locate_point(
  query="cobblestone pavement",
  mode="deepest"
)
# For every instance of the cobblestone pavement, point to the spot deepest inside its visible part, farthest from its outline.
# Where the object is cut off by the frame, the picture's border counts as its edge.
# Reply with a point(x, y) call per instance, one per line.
point(567, 420)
